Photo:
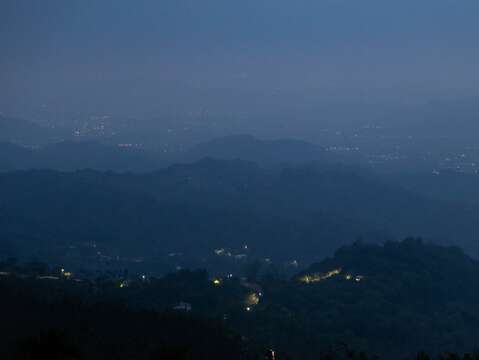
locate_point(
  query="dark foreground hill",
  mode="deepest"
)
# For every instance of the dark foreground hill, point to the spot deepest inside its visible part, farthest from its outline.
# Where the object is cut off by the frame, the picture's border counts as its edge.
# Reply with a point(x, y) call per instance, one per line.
point(392, 300)
point(41, 319)
point(291, 213)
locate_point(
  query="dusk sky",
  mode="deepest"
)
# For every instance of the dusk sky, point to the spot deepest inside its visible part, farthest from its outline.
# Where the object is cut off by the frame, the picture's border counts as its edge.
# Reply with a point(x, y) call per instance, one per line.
point(142, 57)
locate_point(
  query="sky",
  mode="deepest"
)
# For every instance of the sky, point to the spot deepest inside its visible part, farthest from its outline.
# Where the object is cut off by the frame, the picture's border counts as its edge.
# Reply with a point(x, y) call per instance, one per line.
point(248, 57)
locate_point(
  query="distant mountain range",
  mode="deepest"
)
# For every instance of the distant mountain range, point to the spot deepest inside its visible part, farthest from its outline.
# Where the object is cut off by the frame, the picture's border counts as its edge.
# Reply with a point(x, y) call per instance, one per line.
point(264, 152)
point(76, 155)
point(286, 198)
point(301, 212)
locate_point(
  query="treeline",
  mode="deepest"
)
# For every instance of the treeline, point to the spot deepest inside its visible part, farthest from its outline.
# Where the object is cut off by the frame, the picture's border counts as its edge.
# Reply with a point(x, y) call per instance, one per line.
point(37, 323)
point(389, 300)
point(293, 213)
point(64, 328)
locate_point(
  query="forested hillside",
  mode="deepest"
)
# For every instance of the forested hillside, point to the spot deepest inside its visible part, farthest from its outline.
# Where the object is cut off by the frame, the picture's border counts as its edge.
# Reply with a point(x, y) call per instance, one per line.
point(391, 301)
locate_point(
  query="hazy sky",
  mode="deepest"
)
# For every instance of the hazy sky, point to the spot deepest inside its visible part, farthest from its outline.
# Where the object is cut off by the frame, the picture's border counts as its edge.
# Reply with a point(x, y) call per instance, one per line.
point(142, 56)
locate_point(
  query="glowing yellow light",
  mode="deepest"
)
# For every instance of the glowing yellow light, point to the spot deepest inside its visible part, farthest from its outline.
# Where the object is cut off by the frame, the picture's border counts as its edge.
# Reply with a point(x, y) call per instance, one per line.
point(217, 282)
point(252, 299)
point(319, 277)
